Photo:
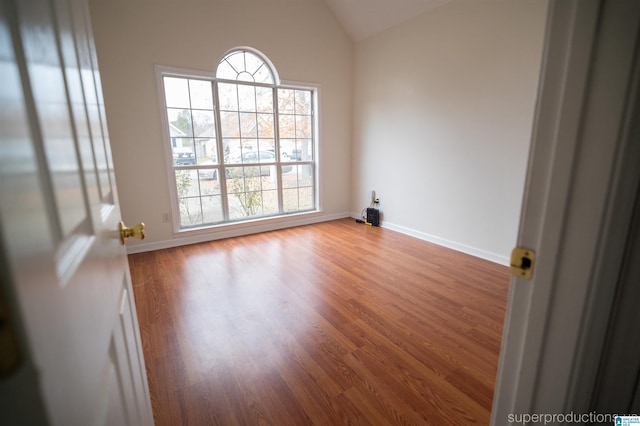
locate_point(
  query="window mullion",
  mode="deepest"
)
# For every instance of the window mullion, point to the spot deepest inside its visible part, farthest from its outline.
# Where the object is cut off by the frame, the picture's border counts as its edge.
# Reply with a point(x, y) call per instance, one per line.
point(221, 174)
point(241, 137)
point(276, 136)
point(258, 146)
point(195, 149)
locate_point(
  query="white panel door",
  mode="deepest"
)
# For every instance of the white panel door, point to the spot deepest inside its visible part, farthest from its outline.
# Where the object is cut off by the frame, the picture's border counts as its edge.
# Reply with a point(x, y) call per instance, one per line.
point(65, 277)
point(581, 186)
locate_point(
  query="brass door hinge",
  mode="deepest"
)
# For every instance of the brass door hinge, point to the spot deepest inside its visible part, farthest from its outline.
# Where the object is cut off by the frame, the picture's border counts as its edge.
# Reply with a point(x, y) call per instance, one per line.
point(522, 262)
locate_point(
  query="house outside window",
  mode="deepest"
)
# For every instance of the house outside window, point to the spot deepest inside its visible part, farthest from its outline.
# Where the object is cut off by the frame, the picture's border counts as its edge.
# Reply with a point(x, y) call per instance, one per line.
point(242, 145)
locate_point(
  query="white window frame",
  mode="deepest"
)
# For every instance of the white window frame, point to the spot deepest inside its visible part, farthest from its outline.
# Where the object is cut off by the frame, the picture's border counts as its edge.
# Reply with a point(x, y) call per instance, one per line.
point(162, 71)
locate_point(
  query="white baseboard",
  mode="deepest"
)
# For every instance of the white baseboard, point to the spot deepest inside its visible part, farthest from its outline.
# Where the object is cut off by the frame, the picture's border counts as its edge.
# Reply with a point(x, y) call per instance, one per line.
point(253, 228)
point(473, 251)
point(235, 230)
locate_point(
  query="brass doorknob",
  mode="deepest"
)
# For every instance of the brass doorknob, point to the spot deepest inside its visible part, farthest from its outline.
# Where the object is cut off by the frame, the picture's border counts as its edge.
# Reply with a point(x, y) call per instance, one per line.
point(136, 232)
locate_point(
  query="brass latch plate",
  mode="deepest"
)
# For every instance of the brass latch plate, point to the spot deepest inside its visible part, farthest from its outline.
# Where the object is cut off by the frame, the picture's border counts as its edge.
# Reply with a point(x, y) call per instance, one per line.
point(522, 262)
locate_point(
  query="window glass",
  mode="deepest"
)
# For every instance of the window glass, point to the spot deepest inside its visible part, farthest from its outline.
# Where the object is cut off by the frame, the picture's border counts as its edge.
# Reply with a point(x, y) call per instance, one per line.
point(234, 157)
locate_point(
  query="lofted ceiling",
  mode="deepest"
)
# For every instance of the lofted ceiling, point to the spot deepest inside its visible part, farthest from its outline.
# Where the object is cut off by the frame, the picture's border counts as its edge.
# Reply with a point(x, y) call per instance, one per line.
point(364, 18)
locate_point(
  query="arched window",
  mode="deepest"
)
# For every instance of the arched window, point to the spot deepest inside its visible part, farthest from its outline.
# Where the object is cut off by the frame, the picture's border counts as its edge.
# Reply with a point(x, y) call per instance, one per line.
point(241, 145)
point(244, 65)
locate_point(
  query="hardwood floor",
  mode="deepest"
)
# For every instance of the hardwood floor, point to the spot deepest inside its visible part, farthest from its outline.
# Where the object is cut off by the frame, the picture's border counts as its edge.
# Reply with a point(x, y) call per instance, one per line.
point(329, 324)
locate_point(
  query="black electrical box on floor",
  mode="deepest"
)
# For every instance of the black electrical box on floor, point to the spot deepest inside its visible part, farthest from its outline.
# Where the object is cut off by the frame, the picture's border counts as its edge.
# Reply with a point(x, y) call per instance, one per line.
point(373, 216)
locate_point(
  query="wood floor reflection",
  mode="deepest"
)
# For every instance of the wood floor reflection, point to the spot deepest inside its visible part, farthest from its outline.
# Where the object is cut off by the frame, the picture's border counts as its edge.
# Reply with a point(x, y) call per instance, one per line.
point(329, 324)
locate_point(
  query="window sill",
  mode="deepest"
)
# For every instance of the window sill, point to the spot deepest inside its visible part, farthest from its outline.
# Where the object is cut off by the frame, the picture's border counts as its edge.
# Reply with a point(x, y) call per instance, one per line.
point(250, 226)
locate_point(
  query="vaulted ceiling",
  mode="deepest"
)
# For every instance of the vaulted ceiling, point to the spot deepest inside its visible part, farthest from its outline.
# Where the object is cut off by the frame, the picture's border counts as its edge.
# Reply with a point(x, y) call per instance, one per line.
point(363, 18)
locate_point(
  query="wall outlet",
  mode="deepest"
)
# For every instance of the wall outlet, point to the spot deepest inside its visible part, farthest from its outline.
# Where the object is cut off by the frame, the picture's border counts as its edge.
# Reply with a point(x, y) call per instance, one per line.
point(372, 195)
point(165, 217)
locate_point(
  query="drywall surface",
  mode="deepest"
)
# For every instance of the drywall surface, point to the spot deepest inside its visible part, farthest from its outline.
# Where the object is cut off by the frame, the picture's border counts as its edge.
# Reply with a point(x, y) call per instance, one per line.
point(443, 112)
point(301, 38)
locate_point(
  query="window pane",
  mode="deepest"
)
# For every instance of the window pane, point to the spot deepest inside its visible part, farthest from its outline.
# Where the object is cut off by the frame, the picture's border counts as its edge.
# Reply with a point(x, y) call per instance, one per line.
point(203, 124)
point(246, 98)
point(206, 151)
point(179, 122)
point(209, 181)
point(190, 212)
point(201, 96)
point(176, 92)
point(298, 188)
point(269, 177)
point(305, 150)
point(232, 150)
point(288, 150)
point(212, 209)
point(305, 198)
point(266, 157)
point(264, 99)
point(248, 125)
point(289, 177)
point(303, 102)
point(245, 76)
point(230, 124)
point(290, 199)
point(183, 152)
point(228, 94)
point(236, 206)
point(201, 150)
point(235, 180)
point(263, 75)
point(187, 183)
point(287, 126)
point(236, 60)
point(266, 151)
point(286, 100)
point(252, 177)
point(226, 71)
point(252, 62)
point(305, 175)
point(250, 146)
point(209, 185)
point(270, 202)
point(253, 205)
point(244, 192)
point(303, 126)
point(249, 156)
point(287, 169)
point(265, 125)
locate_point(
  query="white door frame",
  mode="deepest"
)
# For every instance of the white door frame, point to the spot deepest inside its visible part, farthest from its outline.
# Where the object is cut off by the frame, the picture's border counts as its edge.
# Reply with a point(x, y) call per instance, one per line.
point(581, 182)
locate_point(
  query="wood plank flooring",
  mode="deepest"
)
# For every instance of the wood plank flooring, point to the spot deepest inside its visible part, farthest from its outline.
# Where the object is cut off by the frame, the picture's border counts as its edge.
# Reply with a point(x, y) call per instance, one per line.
point(329, 324)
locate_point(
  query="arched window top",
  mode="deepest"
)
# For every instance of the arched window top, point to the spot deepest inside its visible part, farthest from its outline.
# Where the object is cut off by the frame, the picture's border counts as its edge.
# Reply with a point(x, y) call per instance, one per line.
point(246, 65)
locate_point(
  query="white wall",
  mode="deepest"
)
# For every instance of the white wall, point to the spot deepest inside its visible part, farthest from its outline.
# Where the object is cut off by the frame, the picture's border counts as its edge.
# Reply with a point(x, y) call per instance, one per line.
point(301, 38)
point(443, 110)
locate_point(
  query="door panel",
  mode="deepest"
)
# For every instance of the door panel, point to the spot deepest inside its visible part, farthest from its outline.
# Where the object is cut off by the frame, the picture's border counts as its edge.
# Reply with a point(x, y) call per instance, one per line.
point(92, 95)
point(113, 411)
point(47, 85)
point(59, 219)
point(125, 343)
point(72, 50)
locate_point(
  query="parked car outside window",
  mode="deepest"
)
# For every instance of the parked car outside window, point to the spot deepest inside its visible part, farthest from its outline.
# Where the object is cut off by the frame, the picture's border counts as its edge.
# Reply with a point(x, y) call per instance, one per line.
point(184, 156)
point(247, 157)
